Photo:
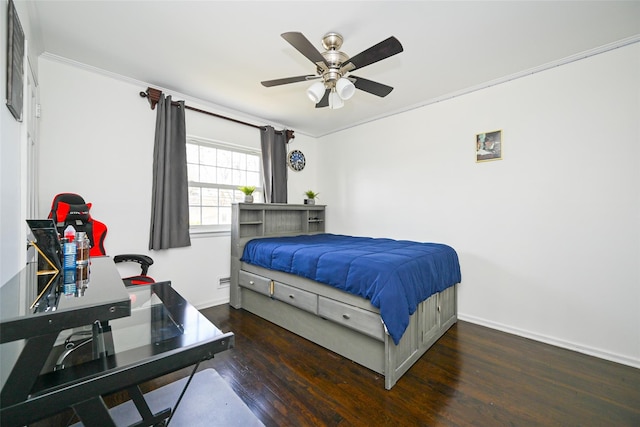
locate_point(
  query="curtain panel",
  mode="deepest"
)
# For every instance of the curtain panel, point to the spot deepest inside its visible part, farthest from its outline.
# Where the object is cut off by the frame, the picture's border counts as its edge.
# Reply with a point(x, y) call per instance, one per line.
point(274, 164)
point(170, 192)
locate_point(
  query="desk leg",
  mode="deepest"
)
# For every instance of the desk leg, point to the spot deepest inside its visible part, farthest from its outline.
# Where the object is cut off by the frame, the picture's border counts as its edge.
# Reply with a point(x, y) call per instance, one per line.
point(27, 368)
point(148, 418)
point(102, 340)
point(94, 412)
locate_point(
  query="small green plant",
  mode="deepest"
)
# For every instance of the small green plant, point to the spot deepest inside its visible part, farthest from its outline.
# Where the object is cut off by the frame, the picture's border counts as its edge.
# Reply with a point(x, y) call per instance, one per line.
point(311, 194)
point(247, 190)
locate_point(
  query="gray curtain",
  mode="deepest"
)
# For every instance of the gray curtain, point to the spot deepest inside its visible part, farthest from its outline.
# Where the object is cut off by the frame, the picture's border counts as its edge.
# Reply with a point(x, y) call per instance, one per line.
point(274, 164)
point(170, 192)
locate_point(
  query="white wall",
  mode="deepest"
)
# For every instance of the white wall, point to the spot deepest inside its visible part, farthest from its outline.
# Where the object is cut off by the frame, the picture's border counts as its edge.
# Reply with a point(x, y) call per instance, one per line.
point(97, 140)
point(548, 237)
point(13, 179)
point(13, 140)
point(9, 175)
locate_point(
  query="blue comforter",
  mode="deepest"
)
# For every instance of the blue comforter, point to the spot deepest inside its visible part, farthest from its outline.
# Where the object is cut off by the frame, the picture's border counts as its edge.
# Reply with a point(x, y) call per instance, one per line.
point(395, 275)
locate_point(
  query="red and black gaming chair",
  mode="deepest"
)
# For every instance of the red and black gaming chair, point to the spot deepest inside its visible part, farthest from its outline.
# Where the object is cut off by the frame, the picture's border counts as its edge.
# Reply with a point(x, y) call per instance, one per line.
point(71, 209)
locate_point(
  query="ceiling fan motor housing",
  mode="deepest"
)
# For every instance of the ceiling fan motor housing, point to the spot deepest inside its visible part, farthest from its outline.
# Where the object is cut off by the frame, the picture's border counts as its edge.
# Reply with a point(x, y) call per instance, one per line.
point(334, 57)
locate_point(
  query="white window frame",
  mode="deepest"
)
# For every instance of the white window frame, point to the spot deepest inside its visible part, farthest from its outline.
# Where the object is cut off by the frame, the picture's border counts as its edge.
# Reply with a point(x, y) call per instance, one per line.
point(238, 196)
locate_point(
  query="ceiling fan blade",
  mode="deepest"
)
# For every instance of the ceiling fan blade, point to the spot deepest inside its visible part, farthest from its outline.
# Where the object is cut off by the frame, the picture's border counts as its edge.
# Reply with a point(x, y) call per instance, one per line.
point(304, 46)
point(287, 80)
point(382, 50)
point(370, 86)
point(324, 102)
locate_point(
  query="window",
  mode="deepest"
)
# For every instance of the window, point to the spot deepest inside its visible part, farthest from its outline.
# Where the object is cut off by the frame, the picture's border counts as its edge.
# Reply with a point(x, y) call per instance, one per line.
point(215, 171)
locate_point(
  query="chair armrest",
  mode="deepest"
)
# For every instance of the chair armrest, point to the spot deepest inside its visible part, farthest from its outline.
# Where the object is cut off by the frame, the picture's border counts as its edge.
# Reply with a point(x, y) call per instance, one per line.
point(144, 260)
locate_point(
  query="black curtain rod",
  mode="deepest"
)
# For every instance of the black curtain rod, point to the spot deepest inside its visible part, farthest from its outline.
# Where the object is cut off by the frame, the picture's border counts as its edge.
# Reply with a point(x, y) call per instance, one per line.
point(154, 97)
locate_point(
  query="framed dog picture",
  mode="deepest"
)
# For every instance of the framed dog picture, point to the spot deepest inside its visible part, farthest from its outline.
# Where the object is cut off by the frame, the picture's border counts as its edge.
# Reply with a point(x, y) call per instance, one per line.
point(489, 146)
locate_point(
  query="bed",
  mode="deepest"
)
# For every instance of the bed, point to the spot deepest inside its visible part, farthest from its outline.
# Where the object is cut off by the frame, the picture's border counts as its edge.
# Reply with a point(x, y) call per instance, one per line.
point(384, 320)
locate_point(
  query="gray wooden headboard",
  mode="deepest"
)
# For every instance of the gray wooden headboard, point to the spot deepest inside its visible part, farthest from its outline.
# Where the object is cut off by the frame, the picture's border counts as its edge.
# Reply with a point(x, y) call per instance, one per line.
point(255, 220)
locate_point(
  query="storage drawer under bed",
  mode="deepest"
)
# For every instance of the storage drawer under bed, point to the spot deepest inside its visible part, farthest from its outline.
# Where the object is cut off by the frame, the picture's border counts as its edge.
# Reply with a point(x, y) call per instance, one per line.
point(364, 321)
point(297, 297)
point(302, 299)
point(256, 283)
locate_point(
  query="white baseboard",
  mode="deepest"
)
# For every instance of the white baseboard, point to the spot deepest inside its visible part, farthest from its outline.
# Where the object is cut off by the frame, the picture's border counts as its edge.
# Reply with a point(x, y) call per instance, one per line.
point(624, 360)
point(211, 303)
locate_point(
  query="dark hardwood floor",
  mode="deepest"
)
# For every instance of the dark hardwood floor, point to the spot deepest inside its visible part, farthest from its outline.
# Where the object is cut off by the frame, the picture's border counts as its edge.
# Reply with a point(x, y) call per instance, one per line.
point(473, 376)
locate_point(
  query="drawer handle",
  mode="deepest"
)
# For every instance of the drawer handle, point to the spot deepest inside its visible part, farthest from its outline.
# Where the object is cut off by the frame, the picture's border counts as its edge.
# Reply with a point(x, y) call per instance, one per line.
point(346, 316)
point(251, 282)
point(291, 296)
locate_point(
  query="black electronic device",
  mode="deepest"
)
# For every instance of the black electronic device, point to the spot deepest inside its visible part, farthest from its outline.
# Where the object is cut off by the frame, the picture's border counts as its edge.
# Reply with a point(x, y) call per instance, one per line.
point(47, 240)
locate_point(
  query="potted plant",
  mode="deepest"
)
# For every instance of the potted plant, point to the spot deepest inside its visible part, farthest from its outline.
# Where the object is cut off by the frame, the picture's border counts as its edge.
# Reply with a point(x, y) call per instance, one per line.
point(248, 193)
point(311, 197)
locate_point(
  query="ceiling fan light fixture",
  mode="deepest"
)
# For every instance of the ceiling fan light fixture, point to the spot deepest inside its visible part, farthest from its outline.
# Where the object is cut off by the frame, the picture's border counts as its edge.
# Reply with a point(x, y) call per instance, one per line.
point(345, 88)
point(316, 92)
point(335, 101)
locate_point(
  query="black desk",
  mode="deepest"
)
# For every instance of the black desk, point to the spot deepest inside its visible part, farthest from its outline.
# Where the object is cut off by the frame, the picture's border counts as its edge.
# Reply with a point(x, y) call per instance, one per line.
point(150, 331)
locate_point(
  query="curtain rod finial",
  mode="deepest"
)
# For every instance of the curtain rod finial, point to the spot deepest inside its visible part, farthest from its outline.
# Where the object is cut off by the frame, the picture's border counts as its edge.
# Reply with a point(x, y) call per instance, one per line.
point(153, 95)
point(290, 135)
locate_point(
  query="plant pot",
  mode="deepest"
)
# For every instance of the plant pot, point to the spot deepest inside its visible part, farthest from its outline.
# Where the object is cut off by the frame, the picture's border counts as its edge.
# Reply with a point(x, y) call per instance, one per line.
point(309, 201)
point(248, 199)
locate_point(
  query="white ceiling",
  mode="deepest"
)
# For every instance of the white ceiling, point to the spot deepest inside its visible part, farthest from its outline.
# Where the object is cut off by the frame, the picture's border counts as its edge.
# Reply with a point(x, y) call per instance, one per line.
point(220, 51)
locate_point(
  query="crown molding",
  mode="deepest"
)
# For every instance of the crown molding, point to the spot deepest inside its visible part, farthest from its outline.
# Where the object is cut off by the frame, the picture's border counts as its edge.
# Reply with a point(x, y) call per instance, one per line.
point(143, 85)
point(525, 73)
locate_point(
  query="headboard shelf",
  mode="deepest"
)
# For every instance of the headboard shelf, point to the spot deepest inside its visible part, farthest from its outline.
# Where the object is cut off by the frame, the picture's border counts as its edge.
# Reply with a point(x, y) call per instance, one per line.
point(253, 220)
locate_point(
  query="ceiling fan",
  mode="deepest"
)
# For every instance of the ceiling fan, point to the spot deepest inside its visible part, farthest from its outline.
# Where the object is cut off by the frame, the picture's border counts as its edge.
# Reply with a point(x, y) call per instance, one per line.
point(334, 66)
